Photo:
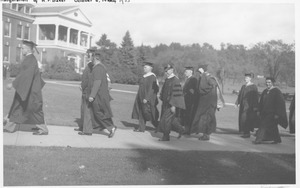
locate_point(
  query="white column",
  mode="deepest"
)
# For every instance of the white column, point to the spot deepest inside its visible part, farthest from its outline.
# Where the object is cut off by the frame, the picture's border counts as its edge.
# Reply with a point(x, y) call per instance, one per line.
point(88, 40)
point(56, 34)
point(37, 34)
point(78, 38)
point(68, 36)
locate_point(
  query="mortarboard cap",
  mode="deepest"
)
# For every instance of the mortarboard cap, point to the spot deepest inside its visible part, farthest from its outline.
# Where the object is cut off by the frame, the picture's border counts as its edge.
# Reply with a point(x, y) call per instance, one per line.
point(251, 75)
point(31, 44)
point(271, 78)
point(91, 50)
point(148, 63)
point(169, 66)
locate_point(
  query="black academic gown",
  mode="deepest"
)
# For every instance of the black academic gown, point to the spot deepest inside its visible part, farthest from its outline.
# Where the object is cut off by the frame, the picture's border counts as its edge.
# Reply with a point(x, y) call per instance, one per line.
point(248, 107)
point(98, 89)
point(85, 111)
point(171, 95)
point(27, 106)
point(190, 99)
point(205, 119)
point(148, 89)
point(271, 103)
point(292, 116)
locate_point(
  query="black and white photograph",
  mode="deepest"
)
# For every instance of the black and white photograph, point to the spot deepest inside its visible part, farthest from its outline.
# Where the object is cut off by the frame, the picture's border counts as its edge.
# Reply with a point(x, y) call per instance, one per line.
point(149, 93)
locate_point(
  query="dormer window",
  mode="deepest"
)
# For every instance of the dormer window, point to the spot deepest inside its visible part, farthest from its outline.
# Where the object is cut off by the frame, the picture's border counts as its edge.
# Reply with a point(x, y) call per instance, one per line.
point(14, 6)
point(27, 10)
point(21, 8)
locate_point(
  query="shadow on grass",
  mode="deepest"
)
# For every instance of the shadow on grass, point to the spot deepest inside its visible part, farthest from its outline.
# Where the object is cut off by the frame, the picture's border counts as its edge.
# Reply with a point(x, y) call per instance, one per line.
point(215, 167)
point(129, 124)
point(134, 126)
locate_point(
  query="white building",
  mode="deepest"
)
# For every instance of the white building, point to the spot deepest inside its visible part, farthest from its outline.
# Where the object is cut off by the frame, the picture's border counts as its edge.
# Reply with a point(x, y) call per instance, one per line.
point(62, 31)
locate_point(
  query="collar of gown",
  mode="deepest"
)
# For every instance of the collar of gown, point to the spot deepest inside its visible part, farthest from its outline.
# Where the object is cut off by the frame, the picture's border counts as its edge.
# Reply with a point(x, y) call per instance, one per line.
point(171, 76)
point(149, 74)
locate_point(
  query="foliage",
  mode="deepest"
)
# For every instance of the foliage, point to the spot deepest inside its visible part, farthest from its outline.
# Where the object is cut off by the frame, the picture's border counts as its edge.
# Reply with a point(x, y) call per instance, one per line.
point(14, 69)
point(61, 69)
point(228, 64)
point(127, 50)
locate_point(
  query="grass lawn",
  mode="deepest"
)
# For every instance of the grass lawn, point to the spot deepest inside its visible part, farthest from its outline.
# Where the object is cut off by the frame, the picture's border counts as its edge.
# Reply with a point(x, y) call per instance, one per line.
point(57, 166)
point(62, 105)
point(33, 166)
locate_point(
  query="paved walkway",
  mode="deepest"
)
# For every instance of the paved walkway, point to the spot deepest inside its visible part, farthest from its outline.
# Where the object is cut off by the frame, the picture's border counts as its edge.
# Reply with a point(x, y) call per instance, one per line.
point(125, 138)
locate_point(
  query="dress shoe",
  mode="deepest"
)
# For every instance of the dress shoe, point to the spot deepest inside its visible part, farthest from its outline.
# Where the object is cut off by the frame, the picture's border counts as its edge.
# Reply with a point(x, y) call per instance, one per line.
point(164, 139)
point(204, 138)
point(256, 142)
point(6, 131)
point(40, 133)
point(112, 132)
point(138, 130)
point(275, 142)
point(82, 133)
point(245, 136)
point(77, 129)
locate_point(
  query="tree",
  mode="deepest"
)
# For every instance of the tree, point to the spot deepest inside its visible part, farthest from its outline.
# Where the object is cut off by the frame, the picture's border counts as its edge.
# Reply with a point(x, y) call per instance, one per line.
point(272, 55)
point(107, 49)
point(105, 43)
point(127, 50)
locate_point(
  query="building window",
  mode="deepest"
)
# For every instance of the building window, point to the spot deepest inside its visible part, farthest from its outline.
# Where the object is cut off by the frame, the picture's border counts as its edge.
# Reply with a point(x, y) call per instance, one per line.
point(83, 39)
point(21, 8)
point(26, 33)
point(73, 36)
point(6, 6)
point(14, 6)
point(62, 33)
point(27, 10)
point(19, 31)
point(5, 53)
point(47, 32)
point(18, 54)
point(6, 29)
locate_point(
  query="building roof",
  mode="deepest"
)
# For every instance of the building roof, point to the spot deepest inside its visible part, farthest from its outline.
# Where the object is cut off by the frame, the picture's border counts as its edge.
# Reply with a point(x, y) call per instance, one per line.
point(53, 9)
point(70, 12)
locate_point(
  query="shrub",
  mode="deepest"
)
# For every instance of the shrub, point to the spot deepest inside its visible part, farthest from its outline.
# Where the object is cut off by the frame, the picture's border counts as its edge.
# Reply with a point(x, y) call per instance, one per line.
point(61, 69)
point(14, 69)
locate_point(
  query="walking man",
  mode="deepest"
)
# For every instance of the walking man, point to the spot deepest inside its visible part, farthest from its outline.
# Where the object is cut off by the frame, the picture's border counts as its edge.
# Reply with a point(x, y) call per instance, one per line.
point(86, 127)
point(247, 102)
point(272, 111)
point(190, 98)
point(99, 97)
point(144, 108)
point(172, 100)
point(205, 118)
point(27, 106)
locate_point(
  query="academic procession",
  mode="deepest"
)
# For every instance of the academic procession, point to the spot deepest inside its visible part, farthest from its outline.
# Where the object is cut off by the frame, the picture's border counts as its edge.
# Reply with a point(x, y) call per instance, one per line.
point(188, 108)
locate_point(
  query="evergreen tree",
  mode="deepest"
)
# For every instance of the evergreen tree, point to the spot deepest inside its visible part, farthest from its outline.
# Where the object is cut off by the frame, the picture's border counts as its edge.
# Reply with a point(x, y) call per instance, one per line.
point(127, 50)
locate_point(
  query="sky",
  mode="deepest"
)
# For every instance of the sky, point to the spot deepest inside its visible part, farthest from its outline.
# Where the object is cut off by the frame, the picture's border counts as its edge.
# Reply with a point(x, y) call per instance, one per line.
point(188, 22)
